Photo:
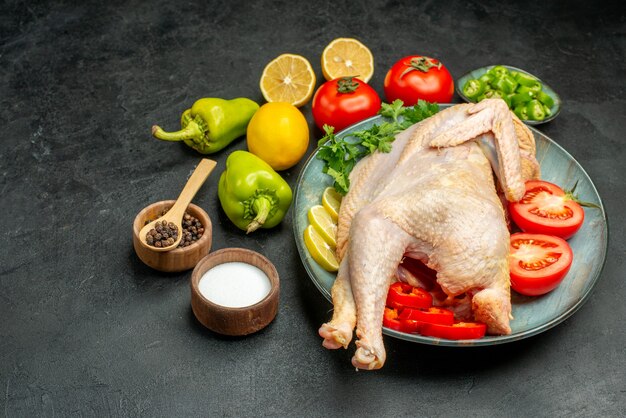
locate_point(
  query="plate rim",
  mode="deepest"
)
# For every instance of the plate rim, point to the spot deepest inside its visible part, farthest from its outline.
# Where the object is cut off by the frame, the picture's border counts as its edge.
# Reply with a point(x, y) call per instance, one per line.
point(488, 340)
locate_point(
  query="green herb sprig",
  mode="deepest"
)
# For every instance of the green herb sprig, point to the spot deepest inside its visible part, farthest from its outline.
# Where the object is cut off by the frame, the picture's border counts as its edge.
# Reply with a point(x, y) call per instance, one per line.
point(341, 154)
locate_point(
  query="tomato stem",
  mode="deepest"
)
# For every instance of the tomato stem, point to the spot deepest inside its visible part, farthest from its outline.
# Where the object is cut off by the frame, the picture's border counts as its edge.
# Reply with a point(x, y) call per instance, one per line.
point(569, 195)
point(423, 64)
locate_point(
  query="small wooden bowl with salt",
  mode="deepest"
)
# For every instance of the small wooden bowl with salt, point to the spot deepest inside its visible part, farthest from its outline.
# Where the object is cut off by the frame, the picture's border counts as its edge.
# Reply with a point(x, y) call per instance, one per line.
point(235, 291)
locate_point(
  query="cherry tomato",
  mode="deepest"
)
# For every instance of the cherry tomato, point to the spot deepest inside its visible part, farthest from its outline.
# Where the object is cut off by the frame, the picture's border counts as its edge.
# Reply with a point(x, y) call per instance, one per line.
point(344, 101)
point(402, 295)
point(390, 319)
point(456, 331)
point(417, 77)
point(538, 263)
point(547, 209)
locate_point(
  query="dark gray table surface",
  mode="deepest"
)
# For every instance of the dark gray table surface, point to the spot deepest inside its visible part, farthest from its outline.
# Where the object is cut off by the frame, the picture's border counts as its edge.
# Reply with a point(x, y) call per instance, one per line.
point(87, 330)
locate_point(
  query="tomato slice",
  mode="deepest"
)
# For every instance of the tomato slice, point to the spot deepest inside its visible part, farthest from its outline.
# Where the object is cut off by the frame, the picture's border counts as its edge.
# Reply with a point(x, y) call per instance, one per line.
point(456, 331)
point(402, 295)
point(538, 263)
point(390, 319)
point(432, 315)
point(547, 209)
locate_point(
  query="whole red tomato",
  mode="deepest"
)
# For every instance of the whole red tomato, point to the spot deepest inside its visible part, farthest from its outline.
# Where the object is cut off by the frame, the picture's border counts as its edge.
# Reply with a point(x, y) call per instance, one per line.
point(417, 77)
point(344, 101)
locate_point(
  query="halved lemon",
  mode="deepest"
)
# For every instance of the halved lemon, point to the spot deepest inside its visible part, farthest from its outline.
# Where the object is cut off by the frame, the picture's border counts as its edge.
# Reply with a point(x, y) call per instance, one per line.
point(288, 78)
point(320, 250)
point(331, 200)
point(345, 57)
point(323, 224)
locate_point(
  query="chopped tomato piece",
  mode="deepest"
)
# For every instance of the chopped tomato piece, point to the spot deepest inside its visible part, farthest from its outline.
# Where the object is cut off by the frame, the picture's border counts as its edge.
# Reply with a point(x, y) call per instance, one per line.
point(547, 209)
point(390, 319)
point(432, 315)
point(402, 295)
point(456, 331)
point(538, 263)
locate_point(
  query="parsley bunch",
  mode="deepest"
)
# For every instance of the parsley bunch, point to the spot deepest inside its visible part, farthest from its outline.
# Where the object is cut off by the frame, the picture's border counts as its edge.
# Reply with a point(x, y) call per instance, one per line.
point(341, 154)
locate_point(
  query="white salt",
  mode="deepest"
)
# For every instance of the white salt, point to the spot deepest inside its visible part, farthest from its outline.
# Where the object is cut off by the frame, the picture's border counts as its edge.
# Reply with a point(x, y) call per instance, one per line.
point(234, 284)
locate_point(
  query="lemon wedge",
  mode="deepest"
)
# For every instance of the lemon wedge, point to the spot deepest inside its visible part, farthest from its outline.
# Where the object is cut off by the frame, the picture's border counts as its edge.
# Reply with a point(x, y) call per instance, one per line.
point(323, 224)
point(345, 57)
point(288, 78)
point(320, 250)
point(331, 200)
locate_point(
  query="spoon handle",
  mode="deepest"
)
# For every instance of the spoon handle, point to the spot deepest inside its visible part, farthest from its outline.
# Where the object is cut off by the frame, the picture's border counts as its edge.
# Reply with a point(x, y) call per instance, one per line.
point(199, 175)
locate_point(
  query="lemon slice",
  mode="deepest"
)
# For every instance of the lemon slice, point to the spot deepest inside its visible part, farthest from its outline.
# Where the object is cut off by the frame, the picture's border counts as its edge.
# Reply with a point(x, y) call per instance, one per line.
point(323, 224)
point(331, 200)
point(320, 250)
point(347, 57)
point(288, 78)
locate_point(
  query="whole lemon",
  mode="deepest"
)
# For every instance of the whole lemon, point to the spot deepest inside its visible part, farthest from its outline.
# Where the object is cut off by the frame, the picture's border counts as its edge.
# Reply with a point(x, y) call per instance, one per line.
point(278, 133)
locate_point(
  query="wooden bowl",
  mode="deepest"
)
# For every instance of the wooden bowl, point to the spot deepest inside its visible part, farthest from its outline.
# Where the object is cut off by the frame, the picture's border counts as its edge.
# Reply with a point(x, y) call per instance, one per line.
point(179, 259)
point(235, 321)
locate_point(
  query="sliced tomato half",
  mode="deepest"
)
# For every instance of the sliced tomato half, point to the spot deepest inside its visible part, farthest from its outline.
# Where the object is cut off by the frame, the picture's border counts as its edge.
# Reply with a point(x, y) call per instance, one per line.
point(456, 331)
point(402, 295)
point(538, 263)
point(547, 209)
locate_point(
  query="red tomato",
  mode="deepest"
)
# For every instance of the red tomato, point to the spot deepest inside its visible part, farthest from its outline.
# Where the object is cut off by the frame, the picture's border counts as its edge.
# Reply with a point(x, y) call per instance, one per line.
point(344, 101)
point(547, 209)
point(433, 315)
point(402, 295)
point(416, 77)
point(538, 263)
point(390, 319)
point(456, 331)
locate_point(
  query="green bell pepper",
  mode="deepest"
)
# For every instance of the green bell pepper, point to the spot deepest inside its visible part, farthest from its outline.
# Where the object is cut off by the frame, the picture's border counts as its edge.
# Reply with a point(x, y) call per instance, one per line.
point(211, 123)
point(251, 193)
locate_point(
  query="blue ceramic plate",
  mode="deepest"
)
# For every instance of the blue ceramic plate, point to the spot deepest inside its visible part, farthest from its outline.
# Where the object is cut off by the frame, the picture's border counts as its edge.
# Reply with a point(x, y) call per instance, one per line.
point(532, 314)
point(554, 110)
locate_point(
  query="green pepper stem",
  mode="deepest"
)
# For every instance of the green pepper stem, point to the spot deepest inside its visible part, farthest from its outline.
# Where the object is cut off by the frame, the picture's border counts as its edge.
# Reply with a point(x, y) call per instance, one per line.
point(192, 130)
point(262, 206)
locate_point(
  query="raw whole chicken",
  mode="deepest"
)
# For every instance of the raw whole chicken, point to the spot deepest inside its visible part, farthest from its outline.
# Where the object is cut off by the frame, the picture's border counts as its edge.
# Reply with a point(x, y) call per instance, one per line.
point(432, 198)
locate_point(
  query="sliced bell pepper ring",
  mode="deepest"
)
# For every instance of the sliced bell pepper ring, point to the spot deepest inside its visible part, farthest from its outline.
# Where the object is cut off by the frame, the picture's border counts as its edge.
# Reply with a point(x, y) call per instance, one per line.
point(432, 315)
point(456, 331)
point(535, 110)
point(525, 79)
point(532, 90)
point(498, 71)
point(402, 295)
point(546, 99)
point(473, 88)
point(506, 84)
point(486, 78)
point(390, 319)
point(521, 111)
point(411, 326)
point(521, 98)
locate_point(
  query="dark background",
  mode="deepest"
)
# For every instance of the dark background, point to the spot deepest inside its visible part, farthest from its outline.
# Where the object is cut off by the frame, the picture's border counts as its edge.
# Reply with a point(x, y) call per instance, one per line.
point(86, 329)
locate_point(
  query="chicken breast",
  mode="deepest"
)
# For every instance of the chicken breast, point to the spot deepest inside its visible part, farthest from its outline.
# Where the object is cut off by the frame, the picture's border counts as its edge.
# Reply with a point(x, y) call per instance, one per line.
point(432, 198)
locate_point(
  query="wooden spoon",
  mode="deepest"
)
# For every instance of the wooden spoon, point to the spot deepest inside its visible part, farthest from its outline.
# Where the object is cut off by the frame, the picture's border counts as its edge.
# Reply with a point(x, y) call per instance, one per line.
point(175, 214)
